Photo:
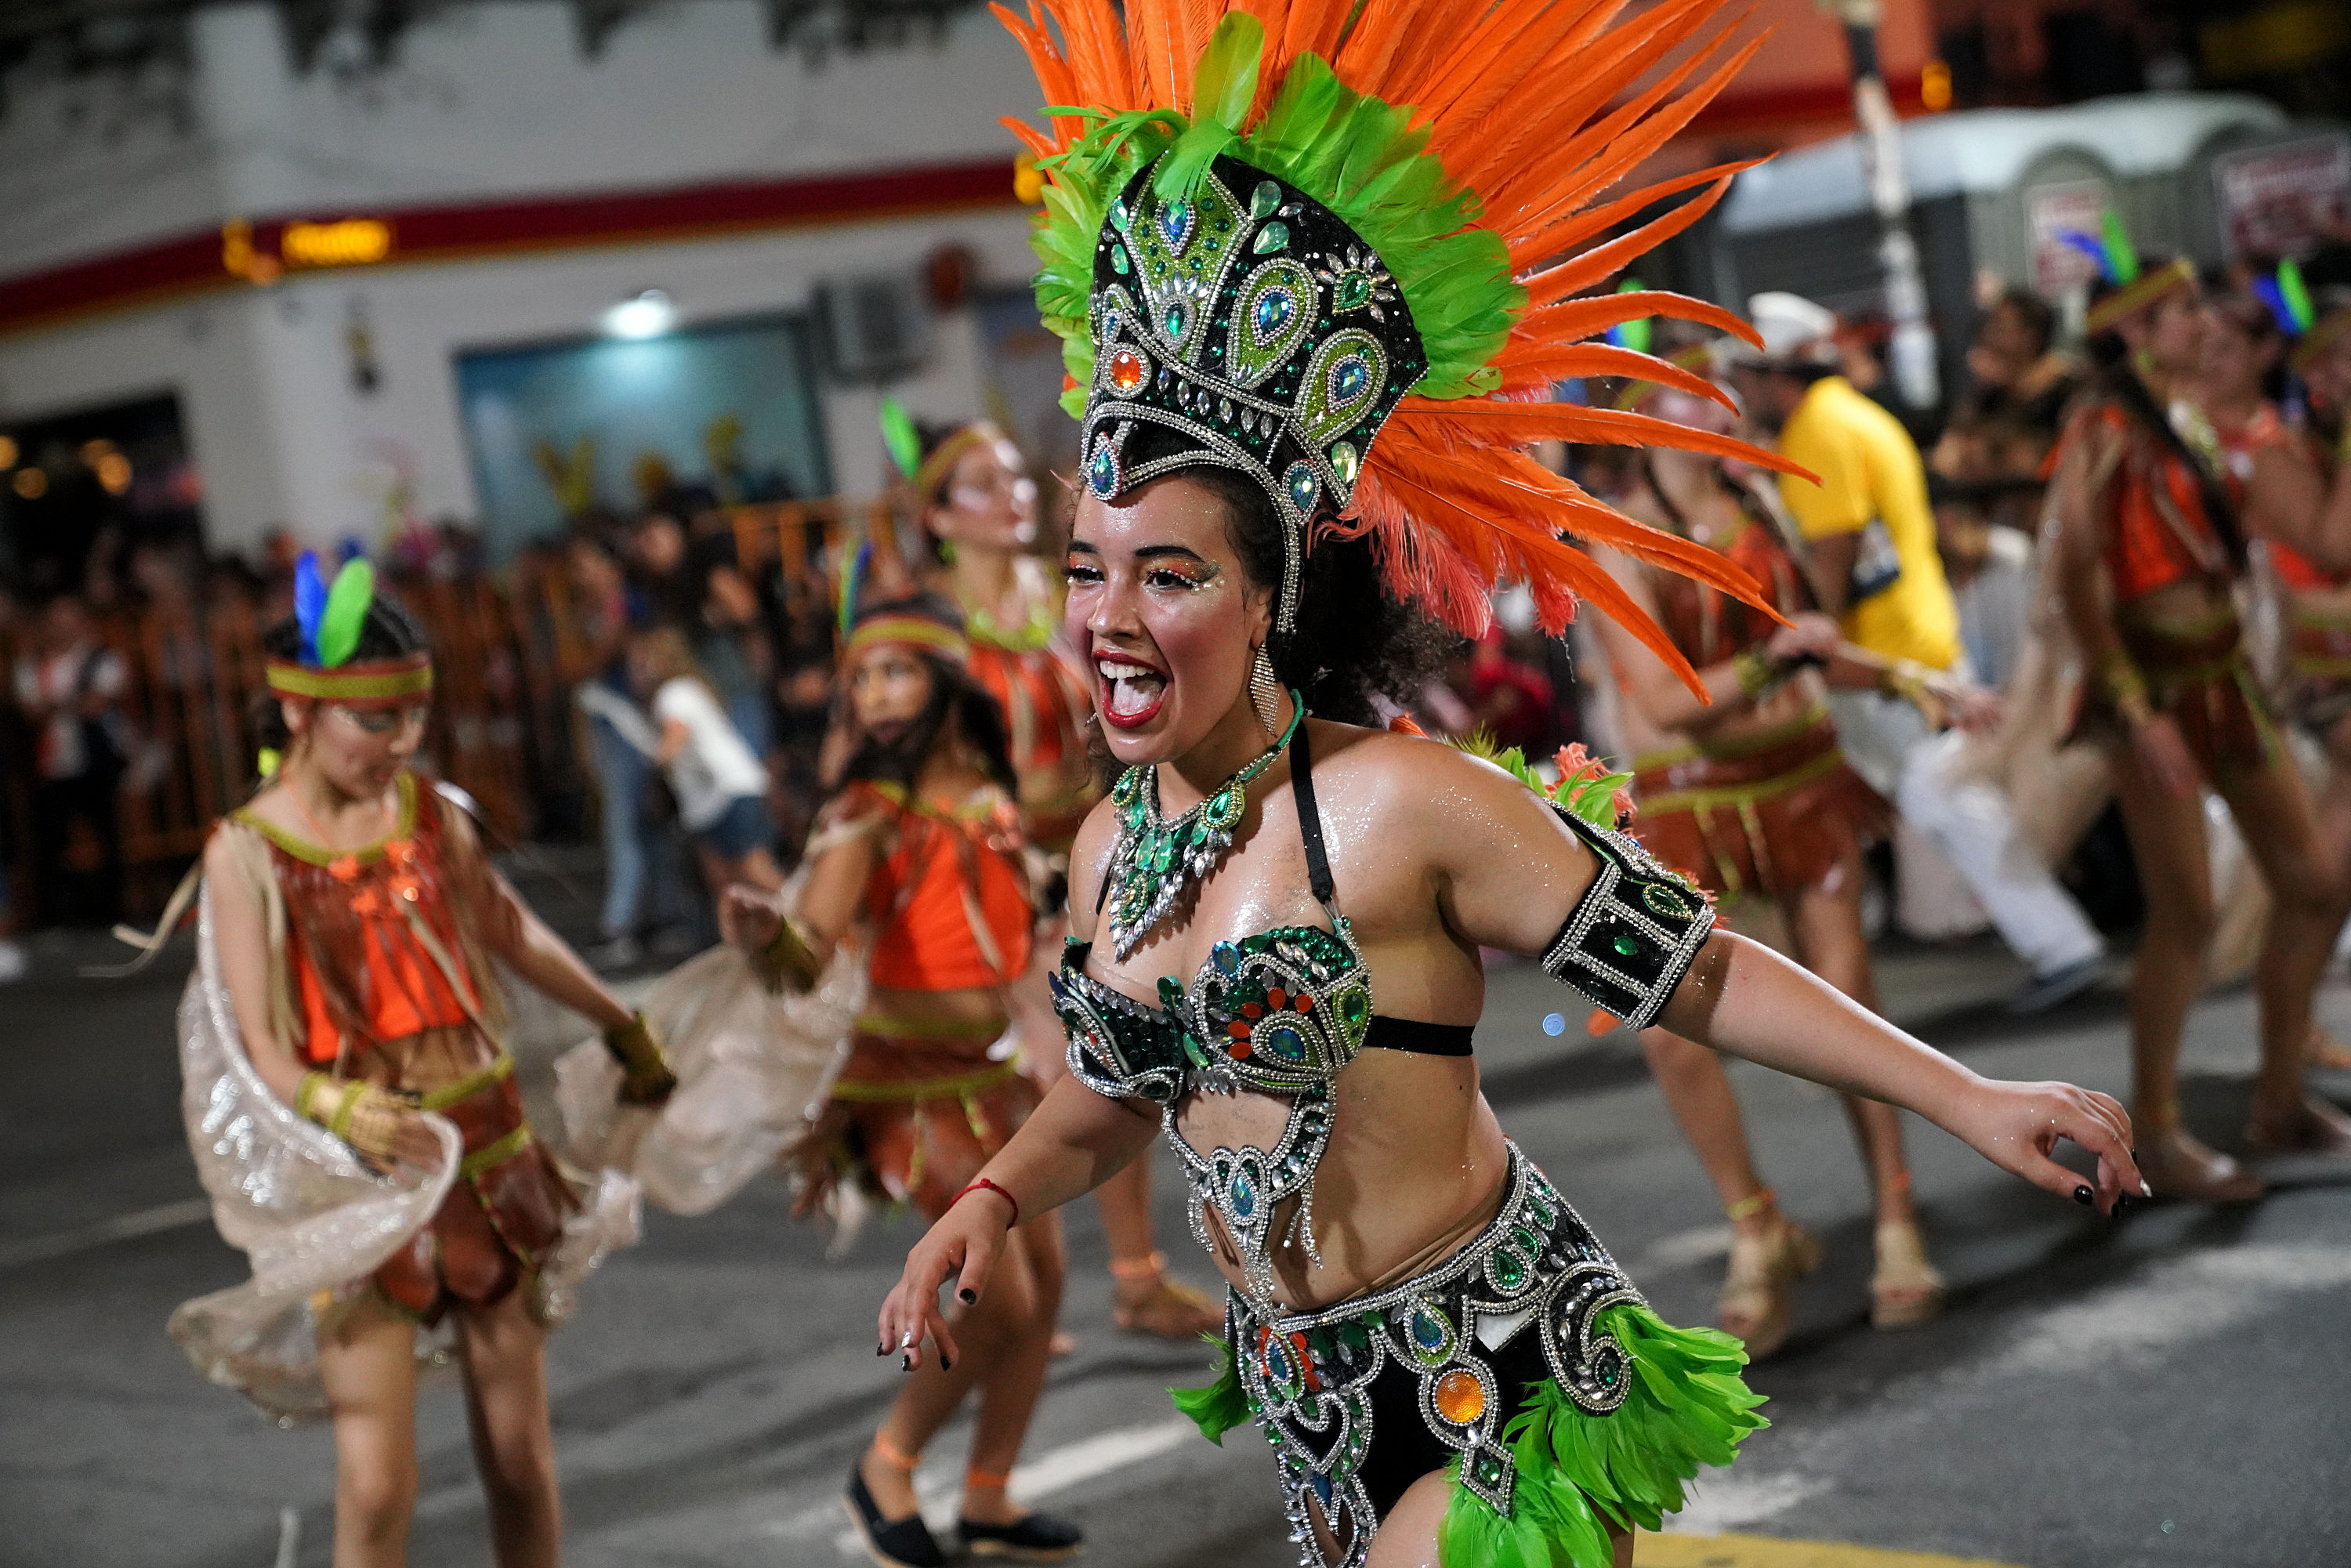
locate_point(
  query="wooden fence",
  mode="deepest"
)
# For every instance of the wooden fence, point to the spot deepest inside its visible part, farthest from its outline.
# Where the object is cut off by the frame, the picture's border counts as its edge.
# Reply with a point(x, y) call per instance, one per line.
point(508, 651)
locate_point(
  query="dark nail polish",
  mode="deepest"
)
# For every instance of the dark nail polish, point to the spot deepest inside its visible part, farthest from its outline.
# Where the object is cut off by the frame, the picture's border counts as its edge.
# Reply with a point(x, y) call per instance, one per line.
point(2121, 1203)
point(967, 1296)
point(906, 1363)
point(881, 1350)
point(945, 1364)
point(2085, 1198)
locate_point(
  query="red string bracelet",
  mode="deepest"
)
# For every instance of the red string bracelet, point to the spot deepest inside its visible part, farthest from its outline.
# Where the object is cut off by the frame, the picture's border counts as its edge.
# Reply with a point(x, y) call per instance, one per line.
point(994, 1187)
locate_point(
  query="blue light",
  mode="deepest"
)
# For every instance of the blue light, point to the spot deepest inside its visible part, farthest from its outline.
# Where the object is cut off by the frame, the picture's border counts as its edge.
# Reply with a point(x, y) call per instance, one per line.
point(1554, 1024)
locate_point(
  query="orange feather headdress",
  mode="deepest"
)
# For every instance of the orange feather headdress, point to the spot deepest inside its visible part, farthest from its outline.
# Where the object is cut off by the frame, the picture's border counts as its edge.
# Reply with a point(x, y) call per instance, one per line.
point(1334, 244)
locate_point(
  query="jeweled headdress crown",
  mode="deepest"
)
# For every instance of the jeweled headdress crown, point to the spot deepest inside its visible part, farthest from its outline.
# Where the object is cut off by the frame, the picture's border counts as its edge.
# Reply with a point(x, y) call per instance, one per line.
point(1321, 242)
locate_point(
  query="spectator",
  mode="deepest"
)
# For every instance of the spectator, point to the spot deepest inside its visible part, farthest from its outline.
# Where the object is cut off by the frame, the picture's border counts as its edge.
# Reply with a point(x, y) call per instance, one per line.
point(70, 687)
point(1871, 538)
point(720, 785)
point(701, 589)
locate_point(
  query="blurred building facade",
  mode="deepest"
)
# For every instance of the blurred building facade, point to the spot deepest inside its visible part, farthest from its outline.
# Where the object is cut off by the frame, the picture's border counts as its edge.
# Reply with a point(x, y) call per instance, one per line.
point(308, 245)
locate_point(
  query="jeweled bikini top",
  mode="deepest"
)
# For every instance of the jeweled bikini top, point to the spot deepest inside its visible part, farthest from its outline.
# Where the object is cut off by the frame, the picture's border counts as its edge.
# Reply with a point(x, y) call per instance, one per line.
point(1285, 1011)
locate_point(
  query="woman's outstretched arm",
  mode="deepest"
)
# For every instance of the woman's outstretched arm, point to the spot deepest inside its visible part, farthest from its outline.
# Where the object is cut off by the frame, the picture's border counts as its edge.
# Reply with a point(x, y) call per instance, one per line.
point(1509, 873)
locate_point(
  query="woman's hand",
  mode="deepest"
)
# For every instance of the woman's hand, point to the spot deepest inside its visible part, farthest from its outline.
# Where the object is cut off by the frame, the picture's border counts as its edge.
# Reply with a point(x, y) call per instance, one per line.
point(813, 1163)
point(966, 1242)
point(1811, 634)
point(2159, 748)
point(749, 918)
point(2017, 1126)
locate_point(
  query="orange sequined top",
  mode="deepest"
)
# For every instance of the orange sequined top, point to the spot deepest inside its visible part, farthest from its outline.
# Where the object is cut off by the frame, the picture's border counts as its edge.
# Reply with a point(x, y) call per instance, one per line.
point(361, 927)
point(2160, 534)
point(1709, 627)
point(2243, 444)
point(1046, 707)
point(949, 901)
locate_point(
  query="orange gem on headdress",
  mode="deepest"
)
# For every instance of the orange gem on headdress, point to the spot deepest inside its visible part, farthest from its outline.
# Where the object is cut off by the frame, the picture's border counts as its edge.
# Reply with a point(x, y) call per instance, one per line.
point(1127, 372)
point(1459, 1397)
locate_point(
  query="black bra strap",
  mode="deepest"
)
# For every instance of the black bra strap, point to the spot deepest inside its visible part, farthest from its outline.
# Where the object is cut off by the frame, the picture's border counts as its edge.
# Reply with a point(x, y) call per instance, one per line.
point(1310, 819)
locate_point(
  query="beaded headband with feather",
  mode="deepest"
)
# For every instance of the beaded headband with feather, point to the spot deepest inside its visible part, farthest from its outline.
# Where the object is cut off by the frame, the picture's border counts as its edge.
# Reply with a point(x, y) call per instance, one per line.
point(1321, 242)
point(330, 619)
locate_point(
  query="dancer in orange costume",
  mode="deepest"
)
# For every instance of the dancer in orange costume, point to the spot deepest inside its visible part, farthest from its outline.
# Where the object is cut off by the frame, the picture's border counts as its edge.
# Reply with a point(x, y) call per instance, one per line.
point(920, 852)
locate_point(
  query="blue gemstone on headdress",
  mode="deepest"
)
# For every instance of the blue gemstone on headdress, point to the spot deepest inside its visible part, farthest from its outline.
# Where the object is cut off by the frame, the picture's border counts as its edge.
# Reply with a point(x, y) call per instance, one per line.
point(1322, 1488)
point(1226, 958)
point(1175, 224)
point(1303, 486)
point(1244, 1198)
point(1427, 1332)
point(1274, 307)
point(1286, 1043)
point(1101, 472)
point(1349, 378)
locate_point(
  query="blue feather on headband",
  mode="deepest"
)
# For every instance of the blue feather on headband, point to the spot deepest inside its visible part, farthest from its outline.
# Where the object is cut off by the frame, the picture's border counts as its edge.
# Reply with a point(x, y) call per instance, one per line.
point(310, 605)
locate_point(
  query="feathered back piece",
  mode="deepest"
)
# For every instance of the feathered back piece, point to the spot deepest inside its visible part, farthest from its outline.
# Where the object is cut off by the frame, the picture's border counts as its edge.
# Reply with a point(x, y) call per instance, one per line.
point(1341, 246)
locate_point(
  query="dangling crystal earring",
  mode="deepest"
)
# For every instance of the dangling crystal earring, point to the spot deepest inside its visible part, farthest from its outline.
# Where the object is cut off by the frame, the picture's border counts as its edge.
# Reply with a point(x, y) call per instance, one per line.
point(1265, 693)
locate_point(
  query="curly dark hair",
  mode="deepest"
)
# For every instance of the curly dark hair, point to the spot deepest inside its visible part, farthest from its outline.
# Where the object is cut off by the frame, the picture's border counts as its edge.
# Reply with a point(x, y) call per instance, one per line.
point(957, 706)
point(1352, 641)
point(389, 631)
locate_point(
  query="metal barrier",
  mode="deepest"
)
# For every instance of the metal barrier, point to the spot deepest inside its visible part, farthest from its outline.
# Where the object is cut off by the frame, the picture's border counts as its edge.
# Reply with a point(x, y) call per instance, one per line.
point(508, 652)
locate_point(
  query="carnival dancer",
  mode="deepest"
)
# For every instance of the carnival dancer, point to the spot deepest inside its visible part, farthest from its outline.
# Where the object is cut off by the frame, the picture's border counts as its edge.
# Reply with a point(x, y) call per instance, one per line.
point(921, 848)
point(2148, 549)
point(2278, 474)
point(979, 512)
point(351, 1100)
point(1287, 299)
point(1745, 790)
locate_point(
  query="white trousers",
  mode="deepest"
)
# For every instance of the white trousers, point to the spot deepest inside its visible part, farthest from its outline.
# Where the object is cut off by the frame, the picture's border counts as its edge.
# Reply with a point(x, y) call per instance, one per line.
point(1969, 819)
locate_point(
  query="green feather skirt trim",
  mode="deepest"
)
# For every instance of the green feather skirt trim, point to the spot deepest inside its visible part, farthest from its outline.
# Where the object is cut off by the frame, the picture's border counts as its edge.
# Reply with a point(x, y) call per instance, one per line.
point(1579, 1476)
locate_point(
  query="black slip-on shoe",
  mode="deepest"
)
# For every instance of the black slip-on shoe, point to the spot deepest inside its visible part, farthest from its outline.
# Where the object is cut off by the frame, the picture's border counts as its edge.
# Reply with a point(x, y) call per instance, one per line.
point(1031, 1538)
point(891, 1542)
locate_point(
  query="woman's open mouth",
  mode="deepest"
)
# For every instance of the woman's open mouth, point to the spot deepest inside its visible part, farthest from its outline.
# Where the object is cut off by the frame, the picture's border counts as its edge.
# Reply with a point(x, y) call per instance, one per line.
point(1132, 692)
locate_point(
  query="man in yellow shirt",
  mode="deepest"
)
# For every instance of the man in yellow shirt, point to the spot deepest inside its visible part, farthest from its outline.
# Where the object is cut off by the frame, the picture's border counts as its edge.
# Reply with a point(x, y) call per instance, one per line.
point(1872, 537)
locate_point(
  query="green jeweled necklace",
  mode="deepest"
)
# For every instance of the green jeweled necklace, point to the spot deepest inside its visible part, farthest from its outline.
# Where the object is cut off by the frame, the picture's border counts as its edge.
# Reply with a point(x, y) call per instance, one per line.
point(1154, 863)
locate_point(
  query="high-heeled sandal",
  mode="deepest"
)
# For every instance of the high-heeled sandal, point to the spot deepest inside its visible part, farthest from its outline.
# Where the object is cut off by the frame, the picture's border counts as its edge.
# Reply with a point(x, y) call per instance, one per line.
point(1758, 1303)
point(1906, 1291)
point(1161, 1308)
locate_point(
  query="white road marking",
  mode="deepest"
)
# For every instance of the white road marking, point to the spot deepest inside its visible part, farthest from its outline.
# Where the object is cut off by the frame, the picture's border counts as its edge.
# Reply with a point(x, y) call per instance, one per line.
point(937, 1486)
point(2191, 1297)
point(122, 1228)
point(1722, 1501)
point(1684, 1248)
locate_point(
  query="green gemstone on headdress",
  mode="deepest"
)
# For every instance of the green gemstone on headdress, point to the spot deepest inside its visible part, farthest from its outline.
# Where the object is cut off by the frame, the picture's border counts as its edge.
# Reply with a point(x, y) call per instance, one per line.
point(1353, 291)
point(1264, 199)
point(1274, 237)
point(1118, 262)
point(1177, 315)
point(1355, 1013)
point(1507, 1269)
point(1346, 461)
point(1303, 486)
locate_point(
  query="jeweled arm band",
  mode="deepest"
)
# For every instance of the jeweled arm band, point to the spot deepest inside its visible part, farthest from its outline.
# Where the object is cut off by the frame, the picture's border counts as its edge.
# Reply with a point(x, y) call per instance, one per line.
point(1635, 933)
point(1755, 673)
point(646, 1078)
point(790, 957)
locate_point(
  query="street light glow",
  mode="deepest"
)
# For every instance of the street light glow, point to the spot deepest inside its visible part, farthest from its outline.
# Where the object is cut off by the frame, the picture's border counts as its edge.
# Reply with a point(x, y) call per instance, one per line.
point(648, 314)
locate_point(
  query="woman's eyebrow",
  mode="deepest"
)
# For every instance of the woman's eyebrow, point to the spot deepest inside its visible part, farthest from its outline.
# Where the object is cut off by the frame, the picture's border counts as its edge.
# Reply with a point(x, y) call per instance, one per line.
point(1076, 546)
point(1153, 552)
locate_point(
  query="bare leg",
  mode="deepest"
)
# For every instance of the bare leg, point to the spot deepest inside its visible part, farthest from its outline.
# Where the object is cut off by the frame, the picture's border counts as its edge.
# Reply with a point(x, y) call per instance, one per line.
point(505, 1355)
point(2168, 840)
point(1407, 1536)
point(368, 1368)
point(2334, 809)
point(1010, 1381)
point(1005, 1343)
point(2306, 908)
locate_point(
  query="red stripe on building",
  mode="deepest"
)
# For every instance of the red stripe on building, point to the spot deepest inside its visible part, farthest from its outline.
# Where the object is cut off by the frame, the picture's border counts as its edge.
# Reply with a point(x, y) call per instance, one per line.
point(442, 233)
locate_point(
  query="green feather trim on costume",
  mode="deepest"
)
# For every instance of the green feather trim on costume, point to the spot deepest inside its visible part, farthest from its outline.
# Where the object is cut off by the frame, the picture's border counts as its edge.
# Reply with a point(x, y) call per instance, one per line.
point(1356, 156)
point(1580, 1475)
point(1222, 1405)
point(346, 612)
point(1585, 786)
point(900, 438)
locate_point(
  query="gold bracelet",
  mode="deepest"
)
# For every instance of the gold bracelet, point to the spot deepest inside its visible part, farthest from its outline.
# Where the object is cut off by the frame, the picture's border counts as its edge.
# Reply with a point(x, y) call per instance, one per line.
point(305, 1096)
point(1754, 672)
point(647, 1077)
point(790, 957)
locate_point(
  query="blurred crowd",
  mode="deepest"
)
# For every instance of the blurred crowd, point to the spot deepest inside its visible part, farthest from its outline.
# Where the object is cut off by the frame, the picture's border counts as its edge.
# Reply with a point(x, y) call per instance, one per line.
point(702, 718)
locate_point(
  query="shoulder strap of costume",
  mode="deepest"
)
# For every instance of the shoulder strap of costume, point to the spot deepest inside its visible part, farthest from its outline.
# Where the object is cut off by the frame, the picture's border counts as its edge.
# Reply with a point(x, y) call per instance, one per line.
point(1310, 821)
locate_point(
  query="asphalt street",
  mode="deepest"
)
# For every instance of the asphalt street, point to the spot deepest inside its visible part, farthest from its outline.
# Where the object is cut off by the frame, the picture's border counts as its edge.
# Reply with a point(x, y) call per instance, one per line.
point(2174, 1389)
